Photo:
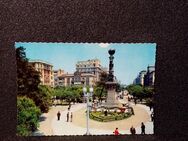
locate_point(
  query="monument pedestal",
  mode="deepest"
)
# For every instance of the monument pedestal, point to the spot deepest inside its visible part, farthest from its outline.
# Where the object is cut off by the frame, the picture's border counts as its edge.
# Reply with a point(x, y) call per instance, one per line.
point(111, 101)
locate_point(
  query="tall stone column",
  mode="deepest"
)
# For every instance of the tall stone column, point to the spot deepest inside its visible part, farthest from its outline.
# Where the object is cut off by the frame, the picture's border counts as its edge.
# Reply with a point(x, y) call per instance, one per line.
point(111, 84)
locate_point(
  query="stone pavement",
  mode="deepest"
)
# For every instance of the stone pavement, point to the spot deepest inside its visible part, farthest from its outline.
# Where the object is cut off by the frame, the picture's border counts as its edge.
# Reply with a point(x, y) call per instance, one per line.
point(149, 124)
point(45, 128)
point(149, 128)
point(62, 127)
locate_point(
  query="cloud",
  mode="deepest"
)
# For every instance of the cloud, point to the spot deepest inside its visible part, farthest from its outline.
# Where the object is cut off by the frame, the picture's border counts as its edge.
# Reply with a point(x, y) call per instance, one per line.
point(104, 45)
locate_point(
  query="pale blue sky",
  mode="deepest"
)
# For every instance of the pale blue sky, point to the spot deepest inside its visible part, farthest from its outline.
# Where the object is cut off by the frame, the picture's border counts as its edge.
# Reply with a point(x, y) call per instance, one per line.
point(129, 59)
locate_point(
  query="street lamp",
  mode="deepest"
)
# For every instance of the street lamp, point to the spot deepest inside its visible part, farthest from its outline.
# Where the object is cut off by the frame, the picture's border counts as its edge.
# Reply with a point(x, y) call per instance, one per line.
point(87, 95)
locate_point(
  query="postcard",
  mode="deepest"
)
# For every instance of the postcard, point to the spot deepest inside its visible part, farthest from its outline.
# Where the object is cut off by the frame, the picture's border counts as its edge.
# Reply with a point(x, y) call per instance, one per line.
point(85, 88)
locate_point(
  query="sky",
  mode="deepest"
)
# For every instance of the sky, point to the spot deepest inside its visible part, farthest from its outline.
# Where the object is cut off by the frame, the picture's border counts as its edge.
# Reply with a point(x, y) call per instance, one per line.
point(129, 59)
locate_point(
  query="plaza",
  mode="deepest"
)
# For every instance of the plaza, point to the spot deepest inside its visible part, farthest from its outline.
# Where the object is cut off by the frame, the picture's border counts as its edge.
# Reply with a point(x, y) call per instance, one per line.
point(49, 125)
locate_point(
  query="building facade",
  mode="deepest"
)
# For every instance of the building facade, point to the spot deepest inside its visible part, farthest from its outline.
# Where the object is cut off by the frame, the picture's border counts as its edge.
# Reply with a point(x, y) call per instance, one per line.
point(84, 78)
point(57, 74)
point(89, 67)
point(46, 72)
point(66, 80)
point(141, 77)
point(149, 77)
point(87, 72)
point(139, 80)
point(146, 78)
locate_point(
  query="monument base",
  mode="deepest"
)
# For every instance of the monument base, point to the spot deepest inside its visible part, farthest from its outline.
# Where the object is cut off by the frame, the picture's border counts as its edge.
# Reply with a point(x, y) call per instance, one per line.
point(111, 101)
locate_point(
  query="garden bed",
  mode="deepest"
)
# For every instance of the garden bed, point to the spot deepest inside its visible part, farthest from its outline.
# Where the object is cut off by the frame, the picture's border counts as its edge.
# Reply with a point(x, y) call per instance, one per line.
point(112, 116)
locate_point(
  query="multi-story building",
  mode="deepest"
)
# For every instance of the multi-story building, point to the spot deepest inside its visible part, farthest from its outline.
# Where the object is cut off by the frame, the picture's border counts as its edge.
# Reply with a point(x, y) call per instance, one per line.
point(46, 72)
point(149, 77)
point(57, 73)
point(84, 78)
point(140, 78)
point(146, 78)
point(136, 81)
point(92, 66)
point(66, 80)
point(87, 72)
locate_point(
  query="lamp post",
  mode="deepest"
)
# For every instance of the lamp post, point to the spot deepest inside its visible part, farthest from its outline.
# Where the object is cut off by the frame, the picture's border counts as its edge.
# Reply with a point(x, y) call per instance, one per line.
point(87, 95)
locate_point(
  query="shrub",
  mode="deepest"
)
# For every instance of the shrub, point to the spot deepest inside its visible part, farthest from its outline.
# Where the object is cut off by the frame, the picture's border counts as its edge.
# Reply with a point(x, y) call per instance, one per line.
point(27, 116)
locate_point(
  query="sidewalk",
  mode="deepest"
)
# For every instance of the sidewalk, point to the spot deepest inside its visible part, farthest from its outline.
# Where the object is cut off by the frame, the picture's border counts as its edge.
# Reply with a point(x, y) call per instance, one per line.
point(45, 128)
point(149, 125)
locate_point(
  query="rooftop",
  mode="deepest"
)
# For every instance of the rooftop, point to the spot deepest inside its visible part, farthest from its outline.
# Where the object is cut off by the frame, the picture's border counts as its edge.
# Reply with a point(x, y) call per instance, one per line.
point(90, 60)
point(40, 61)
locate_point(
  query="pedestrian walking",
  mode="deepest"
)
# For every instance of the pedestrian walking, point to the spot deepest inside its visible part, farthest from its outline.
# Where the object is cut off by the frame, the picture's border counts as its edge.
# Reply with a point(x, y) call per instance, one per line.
point(142, 128)
point(68, 117)
point(133, 130)
point(58, 115)
point(71, 116)
point(116, 132)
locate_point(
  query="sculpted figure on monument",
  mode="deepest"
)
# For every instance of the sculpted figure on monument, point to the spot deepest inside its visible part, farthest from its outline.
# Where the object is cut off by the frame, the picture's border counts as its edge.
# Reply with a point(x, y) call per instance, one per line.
point(111, 65)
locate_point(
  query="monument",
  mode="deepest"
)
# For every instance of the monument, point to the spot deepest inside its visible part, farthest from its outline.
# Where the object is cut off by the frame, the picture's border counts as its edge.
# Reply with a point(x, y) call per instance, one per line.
point(106, 111)
point(111, 101)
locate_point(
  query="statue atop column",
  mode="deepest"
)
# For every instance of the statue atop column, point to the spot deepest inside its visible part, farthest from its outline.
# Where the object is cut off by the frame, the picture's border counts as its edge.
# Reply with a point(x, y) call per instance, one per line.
point(111, 65)
point(111, 101)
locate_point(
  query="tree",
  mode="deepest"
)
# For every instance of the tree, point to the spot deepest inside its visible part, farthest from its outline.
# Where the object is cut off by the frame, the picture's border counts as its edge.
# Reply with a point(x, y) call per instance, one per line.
point(27, 116)
point(101, 85)
point(74, 93)
point(99, 92)
point(141, 92)
point(135, 90)
point(148, 91)
point(27, 78)
point(69, 93)
point(28, 82)
point(44, 98)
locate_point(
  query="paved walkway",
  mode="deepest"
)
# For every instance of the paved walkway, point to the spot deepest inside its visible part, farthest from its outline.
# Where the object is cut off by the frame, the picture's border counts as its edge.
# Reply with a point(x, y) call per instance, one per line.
point(51, 126)
point(46, 121)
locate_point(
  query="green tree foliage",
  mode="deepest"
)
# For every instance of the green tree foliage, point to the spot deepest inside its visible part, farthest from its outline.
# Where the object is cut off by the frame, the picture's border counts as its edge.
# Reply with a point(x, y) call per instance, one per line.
point(69, 93)
point(27, 116)
point(43, 98)
point(148, 91)
point(99, 89)
point(135, 90)
point(59, 92)
point(99, 92)
point(140, 91)
point(28, 80)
